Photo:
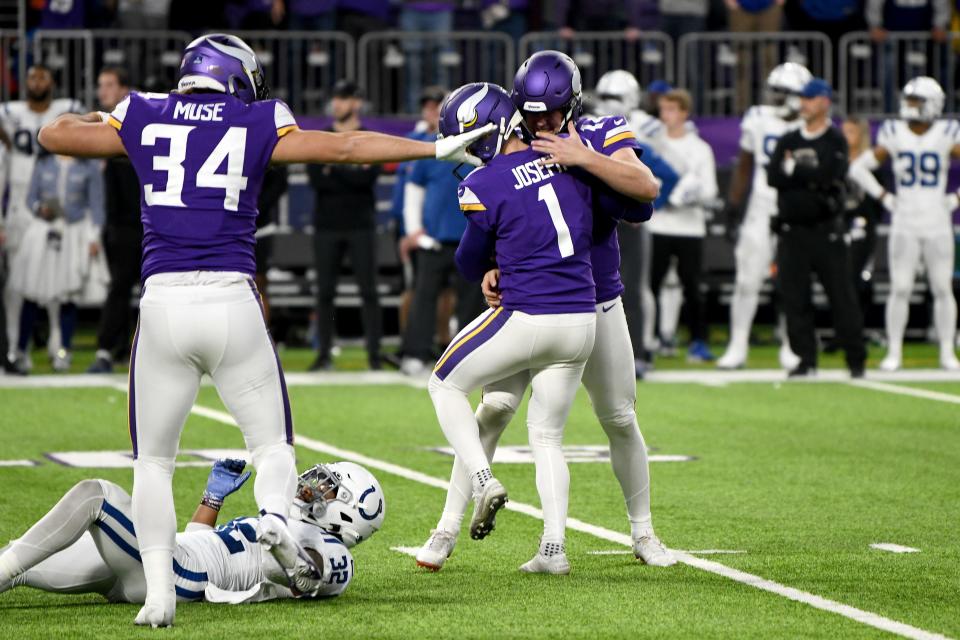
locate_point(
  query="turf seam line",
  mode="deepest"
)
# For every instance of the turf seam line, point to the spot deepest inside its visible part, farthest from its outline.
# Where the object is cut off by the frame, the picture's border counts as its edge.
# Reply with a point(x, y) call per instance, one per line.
point(859, 615)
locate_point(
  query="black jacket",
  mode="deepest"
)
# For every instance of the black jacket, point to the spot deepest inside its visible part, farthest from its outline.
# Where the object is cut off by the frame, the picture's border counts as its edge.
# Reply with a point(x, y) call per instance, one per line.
point(812, 193)
point(121, 189)
point(344, 196)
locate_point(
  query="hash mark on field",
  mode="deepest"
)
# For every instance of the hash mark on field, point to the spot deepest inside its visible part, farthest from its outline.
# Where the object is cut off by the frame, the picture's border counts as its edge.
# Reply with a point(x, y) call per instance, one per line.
point(893, 548)
point(824, 604)
point(19, 463)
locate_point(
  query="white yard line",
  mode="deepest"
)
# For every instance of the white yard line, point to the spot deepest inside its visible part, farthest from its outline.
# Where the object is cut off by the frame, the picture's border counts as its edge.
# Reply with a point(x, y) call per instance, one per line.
point(865, 617)
point(893, 548)
point(907, 391)
point(707, 377)
point(698, 552)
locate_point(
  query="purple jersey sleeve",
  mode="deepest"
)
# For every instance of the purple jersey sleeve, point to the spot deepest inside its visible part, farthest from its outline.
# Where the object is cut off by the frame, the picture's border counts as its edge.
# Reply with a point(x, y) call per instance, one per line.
point(201, 159)
point(607, 135)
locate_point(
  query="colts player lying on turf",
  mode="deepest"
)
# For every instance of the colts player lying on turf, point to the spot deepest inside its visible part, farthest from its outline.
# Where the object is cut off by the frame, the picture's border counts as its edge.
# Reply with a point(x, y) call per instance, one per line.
point(86, 542)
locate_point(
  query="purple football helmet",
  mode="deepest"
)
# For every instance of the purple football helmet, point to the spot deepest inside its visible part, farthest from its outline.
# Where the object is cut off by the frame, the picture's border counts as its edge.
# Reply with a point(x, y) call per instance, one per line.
point(546, 81)
point(225, 63)
point(475, 105)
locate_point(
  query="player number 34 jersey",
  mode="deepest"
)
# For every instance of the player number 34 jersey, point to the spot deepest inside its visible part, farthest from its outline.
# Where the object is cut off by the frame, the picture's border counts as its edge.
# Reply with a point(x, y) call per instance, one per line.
point(200, 159)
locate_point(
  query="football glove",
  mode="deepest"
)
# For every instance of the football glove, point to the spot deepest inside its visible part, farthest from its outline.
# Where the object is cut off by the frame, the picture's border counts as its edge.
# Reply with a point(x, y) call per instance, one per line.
point(454, 148)
point(225, 477)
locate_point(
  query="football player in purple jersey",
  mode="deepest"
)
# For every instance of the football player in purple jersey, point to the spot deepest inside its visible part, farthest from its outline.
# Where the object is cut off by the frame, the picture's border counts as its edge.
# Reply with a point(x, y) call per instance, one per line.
point(535, 215)
point(201, 154)
point(547, 92)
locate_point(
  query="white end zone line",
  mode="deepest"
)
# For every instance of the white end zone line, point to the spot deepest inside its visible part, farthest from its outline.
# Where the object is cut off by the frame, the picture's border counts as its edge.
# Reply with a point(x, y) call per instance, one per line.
point(865, 617)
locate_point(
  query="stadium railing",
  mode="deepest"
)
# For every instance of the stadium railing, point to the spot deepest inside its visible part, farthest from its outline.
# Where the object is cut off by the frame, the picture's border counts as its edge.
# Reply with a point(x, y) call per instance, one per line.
point(872, 74)
point(726, 72)
point(649, 57)
point(395, 66)
point(70, 56)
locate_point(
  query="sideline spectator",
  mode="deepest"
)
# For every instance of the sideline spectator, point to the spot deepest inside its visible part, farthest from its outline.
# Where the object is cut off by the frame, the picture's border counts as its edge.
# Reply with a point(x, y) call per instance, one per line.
point(679, 229)
point(122, 234)
point(808, 169)
point(144, 15)
point(884, 16)
point(306, 15)
point(358, 17)
point(601, 15)
point(344, 224)
point(54, 263)
point(423, 56)
point(753, 16)
point(505, 16)
point(434, 224)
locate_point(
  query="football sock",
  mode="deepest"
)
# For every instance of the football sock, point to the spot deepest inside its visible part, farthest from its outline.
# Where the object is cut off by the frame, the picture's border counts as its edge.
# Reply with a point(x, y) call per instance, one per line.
point(743, 308)
point(553, 481)
point(276, 477)
point(896, 320)
point(945, 321)
point(155, 522)
point(628, 456)
point(482, 477)
point(552, 548)
point(58, 529)
point(641, 527)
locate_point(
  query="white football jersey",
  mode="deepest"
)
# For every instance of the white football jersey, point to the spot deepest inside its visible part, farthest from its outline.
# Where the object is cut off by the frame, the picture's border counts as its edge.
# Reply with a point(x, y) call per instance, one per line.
point(22, 124)
point(648, 129)
point(760, 130)
point(229, 556)
point(920, 165)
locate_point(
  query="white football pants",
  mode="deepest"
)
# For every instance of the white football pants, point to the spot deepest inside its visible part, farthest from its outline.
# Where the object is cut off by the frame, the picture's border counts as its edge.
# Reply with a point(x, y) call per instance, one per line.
point(907, 251)
point(86, 544)
point(609, 379)
point(549, 351)
point(192, 324)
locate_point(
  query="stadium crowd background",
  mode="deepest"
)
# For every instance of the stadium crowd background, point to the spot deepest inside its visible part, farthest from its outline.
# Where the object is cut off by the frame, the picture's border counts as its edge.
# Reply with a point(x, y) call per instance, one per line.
point(383, 64)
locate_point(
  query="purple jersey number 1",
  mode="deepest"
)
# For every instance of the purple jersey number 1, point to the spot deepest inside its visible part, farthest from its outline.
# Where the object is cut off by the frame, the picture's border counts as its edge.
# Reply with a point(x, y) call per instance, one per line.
point(547, 194)
point(231, 147)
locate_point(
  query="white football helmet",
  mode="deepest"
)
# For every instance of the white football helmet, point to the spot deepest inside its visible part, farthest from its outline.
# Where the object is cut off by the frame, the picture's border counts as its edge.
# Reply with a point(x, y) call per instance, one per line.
point(342, 498)
point(930, 95)
point(784, 85)
point(617, 93)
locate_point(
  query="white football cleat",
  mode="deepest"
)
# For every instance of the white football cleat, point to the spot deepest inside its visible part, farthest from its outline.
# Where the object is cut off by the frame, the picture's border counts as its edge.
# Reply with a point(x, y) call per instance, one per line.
point(890, 363)
point(435, 551)
point(730, 361)
point(491, 499)
point(556, 564)
point(788, 359)
point(651, 551)
point(949, 362)
point(157, 614)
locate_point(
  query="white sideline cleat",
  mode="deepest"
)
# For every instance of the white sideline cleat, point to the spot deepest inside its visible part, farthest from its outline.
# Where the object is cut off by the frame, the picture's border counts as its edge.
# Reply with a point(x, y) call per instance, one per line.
point(788, 359)
point(890, 363)
point(157, 614)
point(435, 551)
point(651, 551)
point(556, 564)
point(730, 361)
point(491, 499)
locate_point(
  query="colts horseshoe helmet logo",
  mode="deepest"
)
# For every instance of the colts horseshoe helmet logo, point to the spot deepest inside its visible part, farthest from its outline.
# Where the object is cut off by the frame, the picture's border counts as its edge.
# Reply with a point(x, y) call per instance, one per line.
point(467, 114)
point(362, 511)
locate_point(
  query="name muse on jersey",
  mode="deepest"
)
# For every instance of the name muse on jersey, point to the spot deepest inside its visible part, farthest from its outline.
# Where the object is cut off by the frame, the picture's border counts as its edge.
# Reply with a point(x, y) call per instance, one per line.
point(198, 111)
point(531, 173)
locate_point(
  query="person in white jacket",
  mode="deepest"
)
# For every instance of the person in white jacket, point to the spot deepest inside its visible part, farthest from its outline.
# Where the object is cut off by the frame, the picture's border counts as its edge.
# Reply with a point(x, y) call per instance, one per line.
point(679, 228)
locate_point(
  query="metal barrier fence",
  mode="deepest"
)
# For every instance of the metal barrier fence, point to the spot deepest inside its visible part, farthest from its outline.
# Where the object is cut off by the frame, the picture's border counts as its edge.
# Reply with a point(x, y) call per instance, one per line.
point(726, 72)
point(872, 73)
point(649, 57)
point(70, 56)
point(302, 66)
point(394, 66)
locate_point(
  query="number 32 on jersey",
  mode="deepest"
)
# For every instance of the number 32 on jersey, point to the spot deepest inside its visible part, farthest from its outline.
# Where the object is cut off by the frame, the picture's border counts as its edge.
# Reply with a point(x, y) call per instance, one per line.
point(231, 148)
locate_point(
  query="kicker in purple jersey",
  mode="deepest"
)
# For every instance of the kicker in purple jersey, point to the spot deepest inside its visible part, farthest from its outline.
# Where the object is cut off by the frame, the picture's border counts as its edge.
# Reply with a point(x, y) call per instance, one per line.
point(542, 221)
point(200, 159)
point(606, 135)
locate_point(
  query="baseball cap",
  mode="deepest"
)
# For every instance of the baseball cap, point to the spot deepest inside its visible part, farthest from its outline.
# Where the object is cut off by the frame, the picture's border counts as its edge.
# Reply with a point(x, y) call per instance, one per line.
point(433, 94)
point(347, 89)
point(816, 88)
point(659, 86)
